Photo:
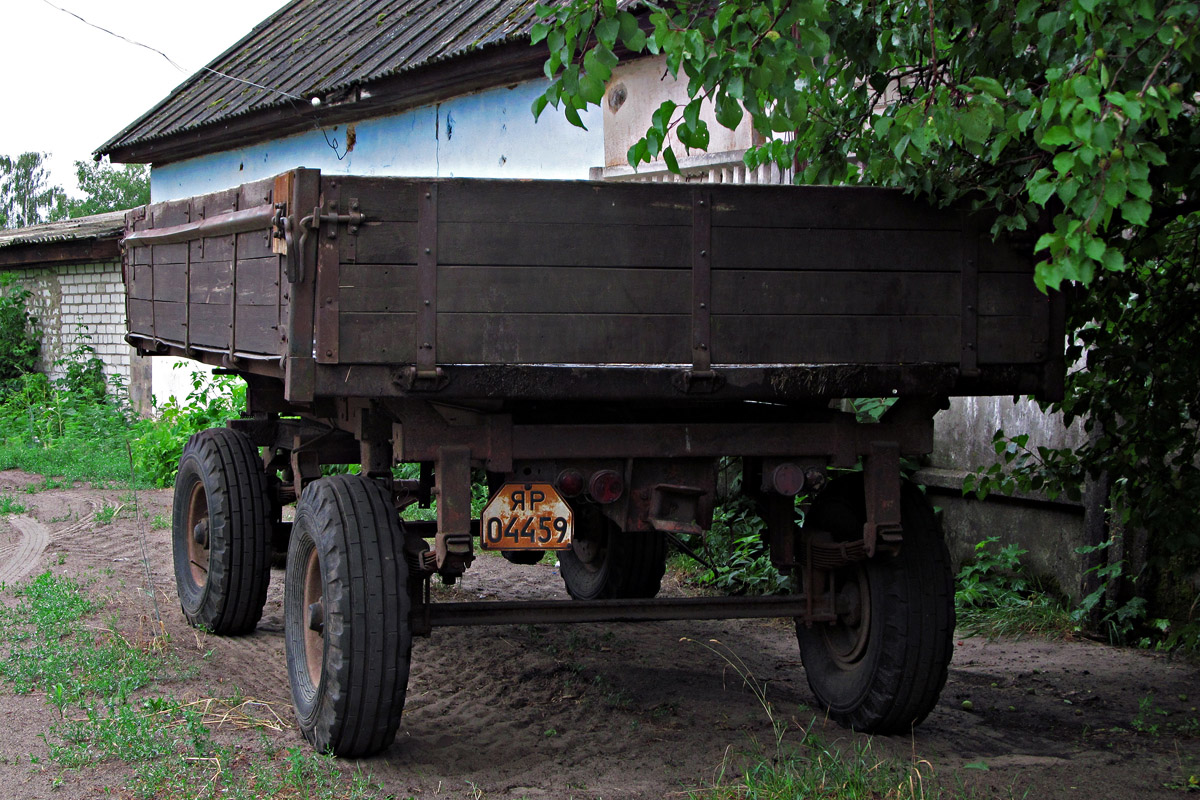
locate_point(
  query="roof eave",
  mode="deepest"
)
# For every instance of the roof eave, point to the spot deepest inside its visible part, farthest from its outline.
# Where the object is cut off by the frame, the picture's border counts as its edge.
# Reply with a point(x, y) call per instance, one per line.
point(488, 67)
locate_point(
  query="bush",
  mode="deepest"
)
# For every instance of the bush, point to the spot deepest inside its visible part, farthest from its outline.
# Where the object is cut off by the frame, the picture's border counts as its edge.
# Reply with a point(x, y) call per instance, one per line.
point(158, 444)
point(20, 341)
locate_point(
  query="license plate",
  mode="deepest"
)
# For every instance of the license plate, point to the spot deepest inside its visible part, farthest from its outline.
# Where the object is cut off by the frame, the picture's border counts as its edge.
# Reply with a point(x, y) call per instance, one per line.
point(526, 516)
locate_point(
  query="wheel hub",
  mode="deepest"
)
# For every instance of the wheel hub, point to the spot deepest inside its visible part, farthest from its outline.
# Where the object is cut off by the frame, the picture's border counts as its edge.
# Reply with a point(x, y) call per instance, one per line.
point(198, 542)
point(314, 633)
point(846, 639)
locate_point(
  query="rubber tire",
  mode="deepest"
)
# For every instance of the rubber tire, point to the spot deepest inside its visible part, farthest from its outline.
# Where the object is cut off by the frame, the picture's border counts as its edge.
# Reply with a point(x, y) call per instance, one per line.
point(352, 709)
point(224, 465)
point(629, 565)
point(895, 682)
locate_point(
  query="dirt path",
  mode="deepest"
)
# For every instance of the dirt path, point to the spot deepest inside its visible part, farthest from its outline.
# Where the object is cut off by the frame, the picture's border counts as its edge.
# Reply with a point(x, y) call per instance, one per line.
point(623, 711)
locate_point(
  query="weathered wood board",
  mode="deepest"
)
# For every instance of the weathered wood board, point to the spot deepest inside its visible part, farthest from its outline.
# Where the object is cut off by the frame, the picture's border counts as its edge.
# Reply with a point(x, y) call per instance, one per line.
point(471, 273)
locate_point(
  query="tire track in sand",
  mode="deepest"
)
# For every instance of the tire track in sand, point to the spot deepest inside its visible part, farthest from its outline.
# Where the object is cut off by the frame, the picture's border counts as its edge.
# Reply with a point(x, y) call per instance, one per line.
point(17, 561)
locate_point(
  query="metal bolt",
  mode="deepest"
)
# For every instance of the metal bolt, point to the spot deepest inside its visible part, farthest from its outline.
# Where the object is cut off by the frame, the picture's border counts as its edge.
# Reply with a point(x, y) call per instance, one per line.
point(329, 353)
point(703, 253)
point(704, 305)
point(328, 301)
point(426, 302)
point(428, 250)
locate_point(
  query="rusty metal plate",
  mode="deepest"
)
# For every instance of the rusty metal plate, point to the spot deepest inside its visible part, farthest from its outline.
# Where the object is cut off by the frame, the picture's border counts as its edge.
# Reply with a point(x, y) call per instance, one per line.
point(526, 516)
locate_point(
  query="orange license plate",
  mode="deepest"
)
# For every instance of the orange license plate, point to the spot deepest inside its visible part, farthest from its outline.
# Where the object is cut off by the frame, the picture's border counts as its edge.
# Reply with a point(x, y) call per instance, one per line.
point(526, 516)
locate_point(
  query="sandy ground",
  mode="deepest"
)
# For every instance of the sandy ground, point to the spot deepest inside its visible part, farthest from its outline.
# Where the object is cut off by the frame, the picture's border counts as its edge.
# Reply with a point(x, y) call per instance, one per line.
point(620, 711)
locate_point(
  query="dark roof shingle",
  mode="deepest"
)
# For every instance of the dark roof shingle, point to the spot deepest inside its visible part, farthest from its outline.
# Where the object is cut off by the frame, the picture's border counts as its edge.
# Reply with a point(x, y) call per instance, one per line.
point(326, 49)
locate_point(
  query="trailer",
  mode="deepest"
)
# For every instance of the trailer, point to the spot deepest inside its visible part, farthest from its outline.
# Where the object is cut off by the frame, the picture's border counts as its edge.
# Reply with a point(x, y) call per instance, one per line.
point(591, 351)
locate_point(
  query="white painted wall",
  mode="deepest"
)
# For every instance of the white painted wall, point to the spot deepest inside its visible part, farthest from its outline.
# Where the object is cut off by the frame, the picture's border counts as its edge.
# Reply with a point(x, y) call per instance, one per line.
point(488, 134)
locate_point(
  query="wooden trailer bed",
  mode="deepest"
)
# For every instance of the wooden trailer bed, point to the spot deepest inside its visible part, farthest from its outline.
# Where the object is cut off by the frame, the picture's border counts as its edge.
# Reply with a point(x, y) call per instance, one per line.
point(551, 289)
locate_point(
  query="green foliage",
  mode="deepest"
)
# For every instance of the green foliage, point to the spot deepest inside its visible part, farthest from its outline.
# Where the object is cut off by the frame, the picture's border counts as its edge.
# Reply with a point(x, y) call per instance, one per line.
point(737, 556)
point(157, 446)
point(20, 340)
point(996, 596)
point(102, 687)
point(25, 197)
point(10, 505)
point(107, 188)
point(1073, 110)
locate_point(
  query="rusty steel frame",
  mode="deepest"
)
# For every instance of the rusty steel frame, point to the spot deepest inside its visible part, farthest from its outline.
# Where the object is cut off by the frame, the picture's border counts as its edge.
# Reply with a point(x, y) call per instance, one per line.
point(533, 612)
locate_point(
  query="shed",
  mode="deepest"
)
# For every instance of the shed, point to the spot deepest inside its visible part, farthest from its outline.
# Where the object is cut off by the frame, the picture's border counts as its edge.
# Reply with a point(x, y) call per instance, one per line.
point(73, 270)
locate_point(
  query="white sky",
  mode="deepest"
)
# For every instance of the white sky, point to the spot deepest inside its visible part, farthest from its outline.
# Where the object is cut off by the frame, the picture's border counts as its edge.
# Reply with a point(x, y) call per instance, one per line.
point(68, 87)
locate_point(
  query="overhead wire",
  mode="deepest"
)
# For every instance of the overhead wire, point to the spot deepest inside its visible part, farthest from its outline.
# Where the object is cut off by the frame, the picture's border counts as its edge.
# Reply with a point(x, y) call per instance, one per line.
point(333, 145)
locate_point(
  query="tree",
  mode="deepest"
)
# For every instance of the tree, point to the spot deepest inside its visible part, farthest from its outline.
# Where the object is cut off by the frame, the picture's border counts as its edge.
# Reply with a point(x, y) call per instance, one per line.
point(1080, 113)
point(107, 188)
point(25, 196)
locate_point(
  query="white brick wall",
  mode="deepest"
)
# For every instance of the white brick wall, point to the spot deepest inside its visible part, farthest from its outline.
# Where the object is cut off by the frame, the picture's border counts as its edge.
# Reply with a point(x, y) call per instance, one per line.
point(78, 300)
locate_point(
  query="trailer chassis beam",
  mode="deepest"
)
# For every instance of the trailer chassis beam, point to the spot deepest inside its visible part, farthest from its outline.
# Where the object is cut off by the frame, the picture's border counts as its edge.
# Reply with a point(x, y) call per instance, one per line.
point(425, 617)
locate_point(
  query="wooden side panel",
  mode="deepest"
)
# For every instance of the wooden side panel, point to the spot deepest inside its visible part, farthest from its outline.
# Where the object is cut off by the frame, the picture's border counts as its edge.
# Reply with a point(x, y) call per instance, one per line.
point(209, 290)
point(570, 273)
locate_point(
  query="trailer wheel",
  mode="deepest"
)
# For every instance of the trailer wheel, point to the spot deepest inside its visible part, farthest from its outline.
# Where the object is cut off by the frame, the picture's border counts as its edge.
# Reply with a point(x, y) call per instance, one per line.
point(605, 563)
point(346, 608)
point(221, 532)
point(882, 665)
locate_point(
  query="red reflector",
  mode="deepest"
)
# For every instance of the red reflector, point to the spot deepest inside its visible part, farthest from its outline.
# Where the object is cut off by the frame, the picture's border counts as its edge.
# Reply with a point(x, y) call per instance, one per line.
point(569, 482)
point(606, 486)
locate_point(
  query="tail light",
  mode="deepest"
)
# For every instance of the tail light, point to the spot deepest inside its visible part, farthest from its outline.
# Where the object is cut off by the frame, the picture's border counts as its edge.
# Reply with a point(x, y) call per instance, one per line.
point(606, 486)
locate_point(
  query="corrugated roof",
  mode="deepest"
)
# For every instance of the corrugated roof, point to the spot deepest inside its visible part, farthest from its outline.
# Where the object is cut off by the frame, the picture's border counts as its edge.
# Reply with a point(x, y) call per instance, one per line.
point(100, 226)
point(326, 48)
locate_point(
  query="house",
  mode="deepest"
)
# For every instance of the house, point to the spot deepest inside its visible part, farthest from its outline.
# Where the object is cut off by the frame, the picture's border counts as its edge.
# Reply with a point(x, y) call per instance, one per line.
point(444, 89)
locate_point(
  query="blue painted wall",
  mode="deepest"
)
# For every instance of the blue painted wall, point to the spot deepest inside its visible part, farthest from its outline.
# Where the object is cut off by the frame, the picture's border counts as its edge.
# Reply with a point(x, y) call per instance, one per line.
point(490, 134)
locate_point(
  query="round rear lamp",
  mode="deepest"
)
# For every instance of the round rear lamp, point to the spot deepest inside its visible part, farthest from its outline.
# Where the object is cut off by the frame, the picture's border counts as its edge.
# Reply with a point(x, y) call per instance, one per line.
point(569, 483)
point(787, 480)
point(606, 486)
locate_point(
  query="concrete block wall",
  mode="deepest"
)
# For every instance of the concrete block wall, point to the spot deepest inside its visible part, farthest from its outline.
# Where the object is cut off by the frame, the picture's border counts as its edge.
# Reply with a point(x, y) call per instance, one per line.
point(74, 301)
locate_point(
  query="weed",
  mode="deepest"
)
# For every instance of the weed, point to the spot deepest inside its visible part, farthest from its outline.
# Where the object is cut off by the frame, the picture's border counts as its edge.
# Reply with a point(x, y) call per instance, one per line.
point(1146, 720)
point(106, 513)
point(90, 675)
point(809, 768)
point(996, 597)
point(10, 505)
point(160, 522)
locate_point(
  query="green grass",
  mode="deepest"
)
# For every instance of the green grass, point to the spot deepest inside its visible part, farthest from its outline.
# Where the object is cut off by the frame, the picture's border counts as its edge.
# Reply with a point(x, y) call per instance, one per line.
point(10, 505)
point(108, 708)
point(996, 597)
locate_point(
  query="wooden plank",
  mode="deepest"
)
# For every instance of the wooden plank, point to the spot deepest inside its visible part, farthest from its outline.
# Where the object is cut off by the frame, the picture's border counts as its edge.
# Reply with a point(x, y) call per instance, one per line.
point(614, 205)
point(383, 199)
point(377, 338)
point(563, 338)
point(1008, 294)
point(599, 290)
point(258, 330)
point(386, 242)
point(169, 321)
point(141, 316)
point(170, 282)
point(504, 290)
point(376, 287)
point(258, 281)
point(813, 249)
point(576, 244)
point(211, 283)
point(1006, 256)
point(139, 282)
point(890, 293)
point(742, 339)
point(1008, 340)
point(208, 325)
point(825, 207)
